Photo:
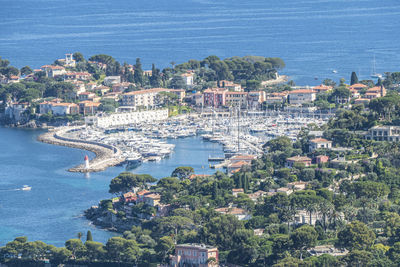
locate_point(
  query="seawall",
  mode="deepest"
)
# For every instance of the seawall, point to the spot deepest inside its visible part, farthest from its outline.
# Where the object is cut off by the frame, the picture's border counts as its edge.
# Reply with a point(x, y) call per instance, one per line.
point(106, 155)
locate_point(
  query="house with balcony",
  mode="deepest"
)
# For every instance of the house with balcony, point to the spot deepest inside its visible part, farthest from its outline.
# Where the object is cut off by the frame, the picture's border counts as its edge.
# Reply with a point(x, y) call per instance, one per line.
point(318, 143)
point(198, 255)
point(384, 133)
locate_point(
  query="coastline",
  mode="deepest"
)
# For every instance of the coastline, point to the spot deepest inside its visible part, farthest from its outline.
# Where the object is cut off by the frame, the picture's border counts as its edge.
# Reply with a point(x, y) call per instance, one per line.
point(105, 156)
point(279, 80)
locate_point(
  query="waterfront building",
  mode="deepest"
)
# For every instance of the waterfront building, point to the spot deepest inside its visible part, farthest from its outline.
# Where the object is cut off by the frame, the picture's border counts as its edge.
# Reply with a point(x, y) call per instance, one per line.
point(15, 111)
point(384, 133)
point(214, 97)
point(197, 99)
point(126, 118)
point(318, 143)
point(62, 109)
point(88, 107)
point(236, 99)
point(255, 98)
point(301, 96)
point(143, 98)
point(194, 255)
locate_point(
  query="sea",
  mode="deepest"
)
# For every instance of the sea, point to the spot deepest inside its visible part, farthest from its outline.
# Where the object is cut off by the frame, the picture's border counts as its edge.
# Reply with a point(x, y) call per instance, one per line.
point(313, 37)
point(52, 211)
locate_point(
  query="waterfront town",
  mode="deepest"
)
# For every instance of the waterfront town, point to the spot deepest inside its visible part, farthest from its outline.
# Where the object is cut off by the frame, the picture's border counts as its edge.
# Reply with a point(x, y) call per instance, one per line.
point(308, 175)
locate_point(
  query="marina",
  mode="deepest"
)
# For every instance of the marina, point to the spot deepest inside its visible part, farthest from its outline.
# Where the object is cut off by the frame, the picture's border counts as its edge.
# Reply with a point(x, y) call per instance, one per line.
point(136, 143)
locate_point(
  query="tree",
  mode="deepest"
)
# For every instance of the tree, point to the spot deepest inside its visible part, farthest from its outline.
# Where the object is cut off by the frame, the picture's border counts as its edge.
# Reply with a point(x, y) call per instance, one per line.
point(119, 249)
point(164, 247)
point(26, 70)
point(183, 172)
point(356, 235)
point(155, 79)
point(89, 236)
point(354, 78)
point(78, 57)
point(126, 181)
point(177, 82)
point(94, 250)
point(358, 258)
point(304, 238)
point(138, 75)
point(75, 246)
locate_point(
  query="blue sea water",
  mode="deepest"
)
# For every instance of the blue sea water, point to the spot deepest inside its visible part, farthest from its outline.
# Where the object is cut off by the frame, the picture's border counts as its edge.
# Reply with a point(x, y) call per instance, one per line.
point(314, 37)
point(52, 210)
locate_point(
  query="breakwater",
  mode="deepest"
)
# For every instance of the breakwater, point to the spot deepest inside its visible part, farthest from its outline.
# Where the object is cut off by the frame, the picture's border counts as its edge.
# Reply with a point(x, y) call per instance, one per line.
point(106, 155)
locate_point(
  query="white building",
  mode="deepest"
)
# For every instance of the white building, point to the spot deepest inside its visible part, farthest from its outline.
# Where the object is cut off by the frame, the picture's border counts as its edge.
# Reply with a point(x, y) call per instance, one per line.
point(318, 143)
point(119, 119)
point(111, 80)
point(53, 71)
point(143, 98)
point(188, 78)
point(301, 96)
point(384, 133)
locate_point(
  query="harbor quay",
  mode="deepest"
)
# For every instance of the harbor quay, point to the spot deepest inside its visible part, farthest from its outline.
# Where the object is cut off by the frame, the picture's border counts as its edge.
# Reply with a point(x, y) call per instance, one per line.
point(132, 138)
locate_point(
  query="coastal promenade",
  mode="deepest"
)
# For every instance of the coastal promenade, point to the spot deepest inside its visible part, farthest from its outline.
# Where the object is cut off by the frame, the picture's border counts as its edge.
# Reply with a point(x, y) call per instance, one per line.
point(106, 155)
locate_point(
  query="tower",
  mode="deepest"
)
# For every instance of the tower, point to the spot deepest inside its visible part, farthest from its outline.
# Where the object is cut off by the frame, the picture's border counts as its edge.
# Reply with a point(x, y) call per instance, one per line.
point(86, 162)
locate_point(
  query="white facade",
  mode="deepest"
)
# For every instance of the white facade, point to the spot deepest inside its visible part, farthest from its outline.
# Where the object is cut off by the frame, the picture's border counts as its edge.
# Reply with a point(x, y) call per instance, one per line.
point(110, 80)
point(301, 96)
point(119, 119)
point(188, 78)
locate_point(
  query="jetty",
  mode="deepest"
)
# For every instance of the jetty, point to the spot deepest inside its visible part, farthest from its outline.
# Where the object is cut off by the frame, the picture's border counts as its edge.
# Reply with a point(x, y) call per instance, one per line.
point(106, 155)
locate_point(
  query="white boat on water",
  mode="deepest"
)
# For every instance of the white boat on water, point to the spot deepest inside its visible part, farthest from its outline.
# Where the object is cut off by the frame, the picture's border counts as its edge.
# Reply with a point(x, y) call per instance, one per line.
point(26, 188)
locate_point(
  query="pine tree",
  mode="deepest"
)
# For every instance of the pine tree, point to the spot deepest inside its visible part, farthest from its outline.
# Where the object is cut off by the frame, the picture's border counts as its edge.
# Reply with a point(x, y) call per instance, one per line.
point(354, 78)
point(89, 236)
point(138, 75)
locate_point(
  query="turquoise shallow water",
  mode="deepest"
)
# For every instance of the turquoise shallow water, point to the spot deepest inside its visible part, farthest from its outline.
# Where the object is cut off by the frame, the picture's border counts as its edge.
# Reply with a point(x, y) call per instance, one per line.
point(314, 37)
point(52, 210)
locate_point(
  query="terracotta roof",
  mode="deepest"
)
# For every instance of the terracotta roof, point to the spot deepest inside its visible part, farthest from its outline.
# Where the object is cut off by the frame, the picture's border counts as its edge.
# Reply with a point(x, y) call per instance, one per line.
point(358, 85)
point(319, 140)
point(244, 157)
point(298, 158)
point(238, 190)
point(302, 91)
point(322, 87)
point(238, 164)
point(143, 192)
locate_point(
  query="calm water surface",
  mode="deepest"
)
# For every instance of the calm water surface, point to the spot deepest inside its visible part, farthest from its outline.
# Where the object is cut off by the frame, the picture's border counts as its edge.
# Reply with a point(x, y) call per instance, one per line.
point(314, 37)
point(52, 210)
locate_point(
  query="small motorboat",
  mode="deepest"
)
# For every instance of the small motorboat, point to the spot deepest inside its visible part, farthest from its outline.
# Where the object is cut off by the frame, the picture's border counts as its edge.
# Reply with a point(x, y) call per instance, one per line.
point(26, 188)
point(334, 71)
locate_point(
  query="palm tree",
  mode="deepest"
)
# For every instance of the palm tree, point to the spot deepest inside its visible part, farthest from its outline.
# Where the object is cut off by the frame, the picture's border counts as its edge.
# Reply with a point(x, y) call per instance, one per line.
point(311, 208)
point(325, 208)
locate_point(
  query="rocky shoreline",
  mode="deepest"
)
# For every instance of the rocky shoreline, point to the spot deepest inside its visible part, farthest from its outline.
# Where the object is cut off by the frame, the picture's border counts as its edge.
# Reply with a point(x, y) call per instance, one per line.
point(105, 156)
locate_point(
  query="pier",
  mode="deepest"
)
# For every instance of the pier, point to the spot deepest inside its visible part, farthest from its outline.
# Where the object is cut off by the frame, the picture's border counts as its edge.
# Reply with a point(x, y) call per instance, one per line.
point(106, 155)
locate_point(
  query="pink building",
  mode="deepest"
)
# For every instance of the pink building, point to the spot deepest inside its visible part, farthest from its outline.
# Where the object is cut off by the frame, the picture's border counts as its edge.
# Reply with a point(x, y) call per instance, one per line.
point(214, 97)
point(198, 255)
